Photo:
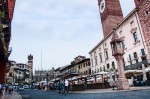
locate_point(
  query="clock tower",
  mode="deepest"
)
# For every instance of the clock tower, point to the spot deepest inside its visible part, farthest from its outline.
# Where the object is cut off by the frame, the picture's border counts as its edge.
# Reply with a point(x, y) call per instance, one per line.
point(30, 61)
point(111, 14)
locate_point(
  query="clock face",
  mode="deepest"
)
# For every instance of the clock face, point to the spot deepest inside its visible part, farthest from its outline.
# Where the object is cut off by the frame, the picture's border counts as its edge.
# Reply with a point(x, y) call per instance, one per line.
point(102, 6)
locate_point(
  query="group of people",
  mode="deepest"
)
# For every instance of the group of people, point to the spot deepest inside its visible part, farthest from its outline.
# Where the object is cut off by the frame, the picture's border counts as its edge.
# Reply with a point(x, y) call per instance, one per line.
point(63, 86)
point(5, 88)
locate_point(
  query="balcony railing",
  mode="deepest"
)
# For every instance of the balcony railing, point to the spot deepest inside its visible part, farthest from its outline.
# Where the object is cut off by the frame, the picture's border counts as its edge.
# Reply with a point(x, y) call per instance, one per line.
point(136, 65)
point(143, 55)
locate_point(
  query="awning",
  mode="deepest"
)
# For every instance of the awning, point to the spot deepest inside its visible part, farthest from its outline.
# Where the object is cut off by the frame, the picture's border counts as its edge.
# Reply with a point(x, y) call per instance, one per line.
point(147, 69)
point(69, 75)
point(133, 71)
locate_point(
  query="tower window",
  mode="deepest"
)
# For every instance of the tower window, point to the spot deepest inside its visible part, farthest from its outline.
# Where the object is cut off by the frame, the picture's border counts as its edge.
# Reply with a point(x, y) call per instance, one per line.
point(108, 66)
point(135, 36)
point(131, 23)
point(149, 27)
point(95, 60)
point(146, 13)
point(120, 32)
point(97, 70)
point(100, 55)
point(102, 6)
point(92, 62)
point(106, 53)
point(123, 44)
point(113, 65)
point(100, 69)
point(104, 68)
point(142, 51)
point(135, 55)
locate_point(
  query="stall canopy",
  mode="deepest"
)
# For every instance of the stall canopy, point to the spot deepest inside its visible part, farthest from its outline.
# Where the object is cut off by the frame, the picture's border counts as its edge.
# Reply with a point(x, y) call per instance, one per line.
point(69, 75)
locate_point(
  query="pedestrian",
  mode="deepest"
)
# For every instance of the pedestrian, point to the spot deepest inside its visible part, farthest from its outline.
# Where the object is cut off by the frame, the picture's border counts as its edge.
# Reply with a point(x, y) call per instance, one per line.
point(66, 85)
point(0, 88)
point(6, 88)
point(10, 89)
point(3, 89)
point(62, 87)
point(59, 86)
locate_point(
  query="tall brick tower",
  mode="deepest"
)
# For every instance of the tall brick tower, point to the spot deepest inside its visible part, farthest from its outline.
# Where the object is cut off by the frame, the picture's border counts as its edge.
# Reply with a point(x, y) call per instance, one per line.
point(143, 7)
point(111, 14)
point(30, 64)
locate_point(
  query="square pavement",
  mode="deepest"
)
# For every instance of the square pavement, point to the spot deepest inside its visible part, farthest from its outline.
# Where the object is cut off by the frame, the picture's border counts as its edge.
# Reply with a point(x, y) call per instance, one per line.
point(13, 95)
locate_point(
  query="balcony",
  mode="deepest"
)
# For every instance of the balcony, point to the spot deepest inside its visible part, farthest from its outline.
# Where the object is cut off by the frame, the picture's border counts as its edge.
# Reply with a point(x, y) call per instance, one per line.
point(136, 65)
point(143, 55)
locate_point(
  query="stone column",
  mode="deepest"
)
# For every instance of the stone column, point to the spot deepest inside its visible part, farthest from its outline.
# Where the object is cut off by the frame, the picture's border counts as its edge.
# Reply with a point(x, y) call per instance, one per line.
point(2, 72)
point(102, 78)
point(95, 78)
point(122, 83)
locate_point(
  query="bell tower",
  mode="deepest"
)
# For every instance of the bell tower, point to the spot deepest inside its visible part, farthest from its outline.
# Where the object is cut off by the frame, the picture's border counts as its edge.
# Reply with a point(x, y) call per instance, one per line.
point(30, 61)
point(111, 14)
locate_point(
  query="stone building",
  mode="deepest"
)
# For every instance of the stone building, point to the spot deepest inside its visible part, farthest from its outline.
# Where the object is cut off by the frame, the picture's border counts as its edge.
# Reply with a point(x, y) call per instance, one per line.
point(6, 15)
point(40, 75)
point(79, 67)
point(22, 73)
point(44, 75)
point(82, 65)
point(143, 8)
point(133, 30)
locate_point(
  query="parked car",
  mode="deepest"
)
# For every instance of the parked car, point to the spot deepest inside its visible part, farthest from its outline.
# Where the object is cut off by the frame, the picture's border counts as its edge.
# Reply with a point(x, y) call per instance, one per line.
point(21, 88)
point(26, 86)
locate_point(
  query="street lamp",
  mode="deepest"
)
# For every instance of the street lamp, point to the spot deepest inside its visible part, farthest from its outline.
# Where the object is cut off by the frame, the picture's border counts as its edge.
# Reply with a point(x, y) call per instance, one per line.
point(117, 52)
point(47, 80)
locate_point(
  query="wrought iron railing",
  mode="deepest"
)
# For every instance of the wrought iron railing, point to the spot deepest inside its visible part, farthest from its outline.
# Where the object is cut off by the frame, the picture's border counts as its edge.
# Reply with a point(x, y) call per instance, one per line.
point(136, 65)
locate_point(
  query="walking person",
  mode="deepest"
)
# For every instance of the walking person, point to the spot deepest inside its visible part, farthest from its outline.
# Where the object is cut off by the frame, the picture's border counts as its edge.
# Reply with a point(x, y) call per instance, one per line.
point(10, 89)
point(66, 86)
point(3, 89)
point(59, 87)
point(0, 88)
point(62, 87)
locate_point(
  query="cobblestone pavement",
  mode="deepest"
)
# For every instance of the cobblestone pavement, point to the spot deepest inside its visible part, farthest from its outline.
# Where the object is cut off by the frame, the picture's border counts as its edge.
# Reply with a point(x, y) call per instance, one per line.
point(41, 94)
point(13, 95)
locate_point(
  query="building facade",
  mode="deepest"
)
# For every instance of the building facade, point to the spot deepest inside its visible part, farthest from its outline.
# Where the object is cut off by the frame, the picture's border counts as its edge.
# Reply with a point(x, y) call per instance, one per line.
point(79, 67)
point(44, 75)
point(130, 30)
point(6, 15)
point(22, 73)
point(144, 18)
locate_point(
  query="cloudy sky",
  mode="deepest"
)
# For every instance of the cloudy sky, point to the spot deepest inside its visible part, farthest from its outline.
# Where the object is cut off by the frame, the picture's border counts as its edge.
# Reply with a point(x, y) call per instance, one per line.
point(60, 29)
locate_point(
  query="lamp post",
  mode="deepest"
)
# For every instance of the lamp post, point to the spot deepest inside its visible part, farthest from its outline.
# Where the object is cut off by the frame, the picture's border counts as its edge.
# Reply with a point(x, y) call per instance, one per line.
point(117, 52)
point(47, 80)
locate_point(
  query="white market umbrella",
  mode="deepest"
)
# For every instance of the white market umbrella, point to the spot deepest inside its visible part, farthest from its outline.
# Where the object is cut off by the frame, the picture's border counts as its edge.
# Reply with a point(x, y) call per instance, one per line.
point(144, 73)
point(110, 77)
point(147, 69)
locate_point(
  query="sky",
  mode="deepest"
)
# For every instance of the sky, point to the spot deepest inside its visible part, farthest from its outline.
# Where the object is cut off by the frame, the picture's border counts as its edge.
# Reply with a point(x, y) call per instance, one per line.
point(56, 31)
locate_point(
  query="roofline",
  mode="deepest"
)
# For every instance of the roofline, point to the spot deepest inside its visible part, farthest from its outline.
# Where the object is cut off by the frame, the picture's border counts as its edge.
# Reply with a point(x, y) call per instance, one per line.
point(128, 16)
point(74, 64)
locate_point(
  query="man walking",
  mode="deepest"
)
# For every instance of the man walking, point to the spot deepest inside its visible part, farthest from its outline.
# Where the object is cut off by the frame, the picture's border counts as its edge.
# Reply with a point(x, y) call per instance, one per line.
point(66, 85)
